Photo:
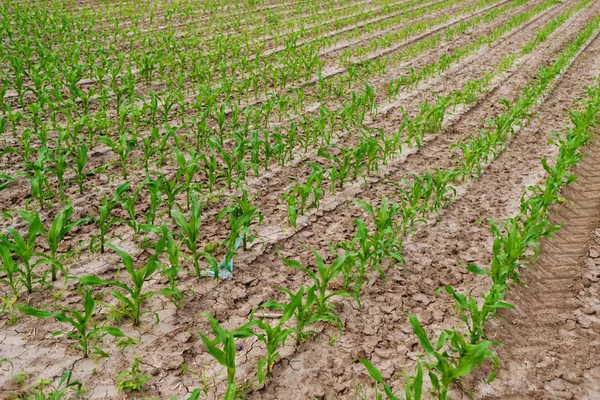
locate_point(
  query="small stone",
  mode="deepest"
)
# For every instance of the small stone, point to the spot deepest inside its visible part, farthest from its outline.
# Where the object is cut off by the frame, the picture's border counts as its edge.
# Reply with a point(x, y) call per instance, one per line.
point(358, 353)
point(381, 353)
point(557, 384)
point(421, 298)
point(570, 325)
point(339, 387)
point(588, 310)
point(572, 377)
point(387, 309)
point(438, 316)
point(154, 371)
point(371, 329)
point(338, 368)
point(584, 322)
point(564, 395)
point(406, 328)
point(184, 337)
point(594, 252)
point(172, 362)
point(246, 279)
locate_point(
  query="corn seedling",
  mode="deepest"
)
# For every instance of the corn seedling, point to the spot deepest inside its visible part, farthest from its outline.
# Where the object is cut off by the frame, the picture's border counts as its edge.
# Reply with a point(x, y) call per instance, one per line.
point(61, 226)
point(191, 230)
point(274, 336)
point(79, 168)
point(226, 356)
point(24, 250)
point(167, 245)
point(240, 215)
point(128, 203)
point(474, 317)
point(325, 274)
point(447, 367)
point(86, 332)
point(305, 314)
point(132, 301)
point(378, 378)
point(104, 220)
point(131, 379)
point(122, 146)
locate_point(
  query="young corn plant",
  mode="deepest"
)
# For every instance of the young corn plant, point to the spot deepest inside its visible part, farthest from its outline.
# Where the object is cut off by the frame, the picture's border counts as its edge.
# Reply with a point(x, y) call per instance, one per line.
point(130, 302)
point(475, 317)
point(63, 387)
point(226, 356)
point(305, 314)
point(274, 336)
point(81, 161)
point(131, 379)
point(378, 378)
point(240, 215)
point(171, 188)
point(154, 198)
point(149, 148)
point(61, 226)
point(298, 195)
point(191, 231)
point(104, 220)
point(512, 239)
point(451, 358)
point(23, 249)
point(384, 243)
point(128, 203)
point(167, 245)
point(443, 192)
point(187, 169)
point(342, 170)
point(324, 308)
point(416, 192)
point(368, 250)
point(123, 147)
point(59, 159)
point(38, 181)
point(10, 269)
point(85, 332)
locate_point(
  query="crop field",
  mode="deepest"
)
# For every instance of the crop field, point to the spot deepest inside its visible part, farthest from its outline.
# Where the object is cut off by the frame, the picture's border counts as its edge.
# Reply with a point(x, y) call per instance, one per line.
point(295, 199)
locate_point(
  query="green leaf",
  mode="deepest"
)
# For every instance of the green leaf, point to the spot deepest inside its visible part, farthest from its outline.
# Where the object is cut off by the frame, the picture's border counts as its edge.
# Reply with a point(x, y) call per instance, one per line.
point(93, 281)
point(289, 309)
point(125, 257)
point(476, 270)
point(364, 205)
point(116, 332)
point(217, 354)
point(35, 312)
point(88, 304)
point(374, 372)
point(101, 352)
point(418, 383)
point(421, 334)
point(231, 391)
